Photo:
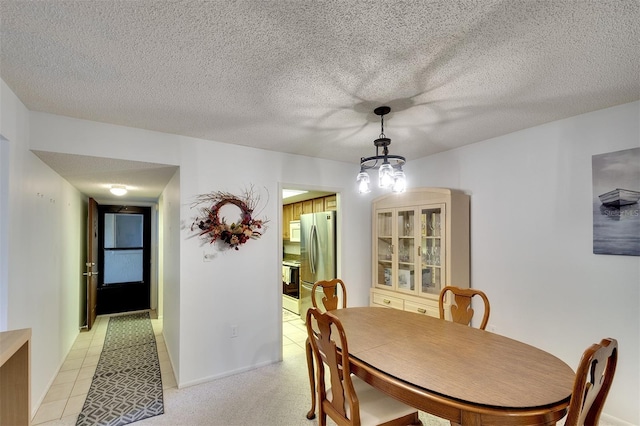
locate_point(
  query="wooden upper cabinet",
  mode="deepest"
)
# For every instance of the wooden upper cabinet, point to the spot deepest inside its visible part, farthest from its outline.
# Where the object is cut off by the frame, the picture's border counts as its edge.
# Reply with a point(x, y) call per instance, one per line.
point(330, 203)
point(287, 216)
point(307, 206)
point(318, 205)
point(315, 205)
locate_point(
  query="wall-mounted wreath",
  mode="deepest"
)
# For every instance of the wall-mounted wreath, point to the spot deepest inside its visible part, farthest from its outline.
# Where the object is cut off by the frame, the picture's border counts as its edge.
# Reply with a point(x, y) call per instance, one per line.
point(211, 227)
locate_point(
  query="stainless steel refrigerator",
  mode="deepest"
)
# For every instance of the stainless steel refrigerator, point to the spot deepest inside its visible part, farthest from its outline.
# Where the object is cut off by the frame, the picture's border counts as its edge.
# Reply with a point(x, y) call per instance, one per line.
point(317, 253)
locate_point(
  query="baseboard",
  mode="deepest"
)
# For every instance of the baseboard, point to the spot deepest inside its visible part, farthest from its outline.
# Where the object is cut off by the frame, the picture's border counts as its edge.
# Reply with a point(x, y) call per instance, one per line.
point(225, 374)
point(607, 420)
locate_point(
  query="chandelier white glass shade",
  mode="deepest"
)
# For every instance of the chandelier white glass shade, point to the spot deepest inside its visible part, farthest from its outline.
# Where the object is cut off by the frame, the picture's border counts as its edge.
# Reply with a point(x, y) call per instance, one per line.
point(390, 174)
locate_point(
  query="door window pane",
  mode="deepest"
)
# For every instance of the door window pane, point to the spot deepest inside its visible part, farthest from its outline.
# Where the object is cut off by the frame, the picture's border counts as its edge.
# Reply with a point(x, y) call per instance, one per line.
point(122, 266)
point(123, 230)
point(123, 248)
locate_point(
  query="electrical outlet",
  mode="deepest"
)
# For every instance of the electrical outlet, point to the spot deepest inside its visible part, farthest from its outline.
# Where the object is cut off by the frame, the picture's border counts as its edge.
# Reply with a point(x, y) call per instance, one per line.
point(234, 331)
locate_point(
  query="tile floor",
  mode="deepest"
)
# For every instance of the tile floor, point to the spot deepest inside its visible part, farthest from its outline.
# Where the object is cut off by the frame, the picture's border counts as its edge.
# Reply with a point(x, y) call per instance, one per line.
point(67, 393)
point(69, 390)
point(294, 333)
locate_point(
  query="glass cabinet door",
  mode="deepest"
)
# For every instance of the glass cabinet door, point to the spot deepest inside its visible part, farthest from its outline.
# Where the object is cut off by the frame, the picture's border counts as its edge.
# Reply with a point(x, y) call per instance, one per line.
point(432, 248)
point(406, 250)
point(384, 224)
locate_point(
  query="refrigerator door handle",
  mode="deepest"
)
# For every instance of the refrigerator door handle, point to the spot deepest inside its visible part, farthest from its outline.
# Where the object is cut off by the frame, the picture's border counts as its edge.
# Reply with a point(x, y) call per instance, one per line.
point(313, 241)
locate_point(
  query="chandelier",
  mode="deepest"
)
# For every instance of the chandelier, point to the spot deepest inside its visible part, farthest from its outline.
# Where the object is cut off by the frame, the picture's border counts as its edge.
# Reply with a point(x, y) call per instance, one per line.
point(390, 174)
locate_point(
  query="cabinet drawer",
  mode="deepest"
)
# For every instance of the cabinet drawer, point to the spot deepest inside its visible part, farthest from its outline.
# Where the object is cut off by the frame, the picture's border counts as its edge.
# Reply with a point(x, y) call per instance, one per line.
point(420, 308)
point(388, 301)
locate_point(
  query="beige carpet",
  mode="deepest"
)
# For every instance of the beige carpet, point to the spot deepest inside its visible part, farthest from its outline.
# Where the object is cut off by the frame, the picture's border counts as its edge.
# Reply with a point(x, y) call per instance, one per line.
point(276, 395)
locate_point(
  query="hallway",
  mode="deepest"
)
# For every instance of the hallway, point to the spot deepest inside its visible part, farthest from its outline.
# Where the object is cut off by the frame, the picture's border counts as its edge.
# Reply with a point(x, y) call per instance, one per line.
point(67, 394)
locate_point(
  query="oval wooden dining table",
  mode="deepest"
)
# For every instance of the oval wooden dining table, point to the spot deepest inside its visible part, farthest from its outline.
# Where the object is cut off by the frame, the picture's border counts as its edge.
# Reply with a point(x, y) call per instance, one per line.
point(456, 372)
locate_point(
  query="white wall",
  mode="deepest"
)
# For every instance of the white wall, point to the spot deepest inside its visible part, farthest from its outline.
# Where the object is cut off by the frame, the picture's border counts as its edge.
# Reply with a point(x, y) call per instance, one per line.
point(44, 238)
point(531, 240)
point(169, 272)
point(4, 231)
point(243, 288)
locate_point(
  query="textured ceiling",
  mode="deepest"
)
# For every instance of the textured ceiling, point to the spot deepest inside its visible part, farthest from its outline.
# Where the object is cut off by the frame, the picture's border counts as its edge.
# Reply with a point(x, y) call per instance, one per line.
point(304, 76)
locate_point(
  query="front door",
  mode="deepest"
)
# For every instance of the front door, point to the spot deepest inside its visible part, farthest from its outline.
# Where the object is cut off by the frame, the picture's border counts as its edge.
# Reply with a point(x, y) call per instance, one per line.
point(124, 259)
point(92, 262)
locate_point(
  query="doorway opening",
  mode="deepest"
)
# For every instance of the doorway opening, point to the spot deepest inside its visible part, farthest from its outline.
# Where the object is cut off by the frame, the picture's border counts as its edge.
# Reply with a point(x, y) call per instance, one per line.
point(318, 206)
point(124, 259)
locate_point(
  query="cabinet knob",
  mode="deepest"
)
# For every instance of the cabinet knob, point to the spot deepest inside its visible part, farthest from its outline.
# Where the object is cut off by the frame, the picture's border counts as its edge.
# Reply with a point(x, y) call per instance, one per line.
point(387, 301)
point(422, 310)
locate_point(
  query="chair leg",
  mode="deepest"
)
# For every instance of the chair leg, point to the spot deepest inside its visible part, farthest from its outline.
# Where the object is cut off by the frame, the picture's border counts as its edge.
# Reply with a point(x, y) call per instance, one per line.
point(312, 412)
point(322, 419)
point(417, 421)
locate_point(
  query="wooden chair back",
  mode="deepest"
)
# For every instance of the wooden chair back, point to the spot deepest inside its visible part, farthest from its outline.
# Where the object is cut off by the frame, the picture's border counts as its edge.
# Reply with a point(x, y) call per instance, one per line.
point(593, 381)
point(323, 330)
point(339, 400)
point(330, 302)
point(330, 299)
point(461, 311)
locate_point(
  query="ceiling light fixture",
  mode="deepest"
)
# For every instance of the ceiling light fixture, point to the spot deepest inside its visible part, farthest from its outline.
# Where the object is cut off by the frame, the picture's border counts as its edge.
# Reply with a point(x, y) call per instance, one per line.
point(390, 174)
point(286, 193)
point(118, 190)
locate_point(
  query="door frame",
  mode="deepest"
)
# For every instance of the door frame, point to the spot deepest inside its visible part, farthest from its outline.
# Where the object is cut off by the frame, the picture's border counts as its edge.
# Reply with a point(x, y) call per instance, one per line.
point(113, 298)
point(338, 224)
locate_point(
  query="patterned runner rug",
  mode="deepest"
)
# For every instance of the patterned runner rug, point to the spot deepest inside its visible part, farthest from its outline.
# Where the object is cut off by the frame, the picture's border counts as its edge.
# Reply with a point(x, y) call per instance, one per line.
point(127, 386)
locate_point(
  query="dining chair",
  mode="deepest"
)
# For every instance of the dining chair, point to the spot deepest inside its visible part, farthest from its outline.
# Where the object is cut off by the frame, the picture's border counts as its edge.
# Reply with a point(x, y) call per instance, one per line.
point(461, 310)
point(592, 383)
point(349, 400)
point(330, 299)
point(330, 302)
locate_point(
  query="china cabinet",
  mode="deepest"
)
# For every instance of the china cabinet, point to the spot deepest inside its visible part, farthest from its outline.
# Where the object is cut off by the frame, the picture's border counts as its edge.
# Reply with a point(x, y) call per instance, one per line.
point(420, 244)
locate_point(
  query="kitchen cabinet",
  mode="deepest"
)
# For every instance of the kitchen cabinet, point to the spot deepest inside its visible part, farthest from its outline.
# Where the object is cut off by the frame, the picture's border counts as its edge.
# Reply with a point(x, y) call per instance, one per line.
point(420, 245)
point(318, 205)
point(315, 205)
point(287, 217)
point(302, 207)
point(307, 206)
point(297, 211)
point(330, 203)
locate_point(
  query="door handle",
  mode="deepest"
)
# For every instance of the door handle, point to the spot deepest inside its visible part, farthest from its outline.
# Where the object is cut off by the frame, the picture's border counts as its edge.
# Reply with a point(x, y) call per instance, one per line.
point(313, 249)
